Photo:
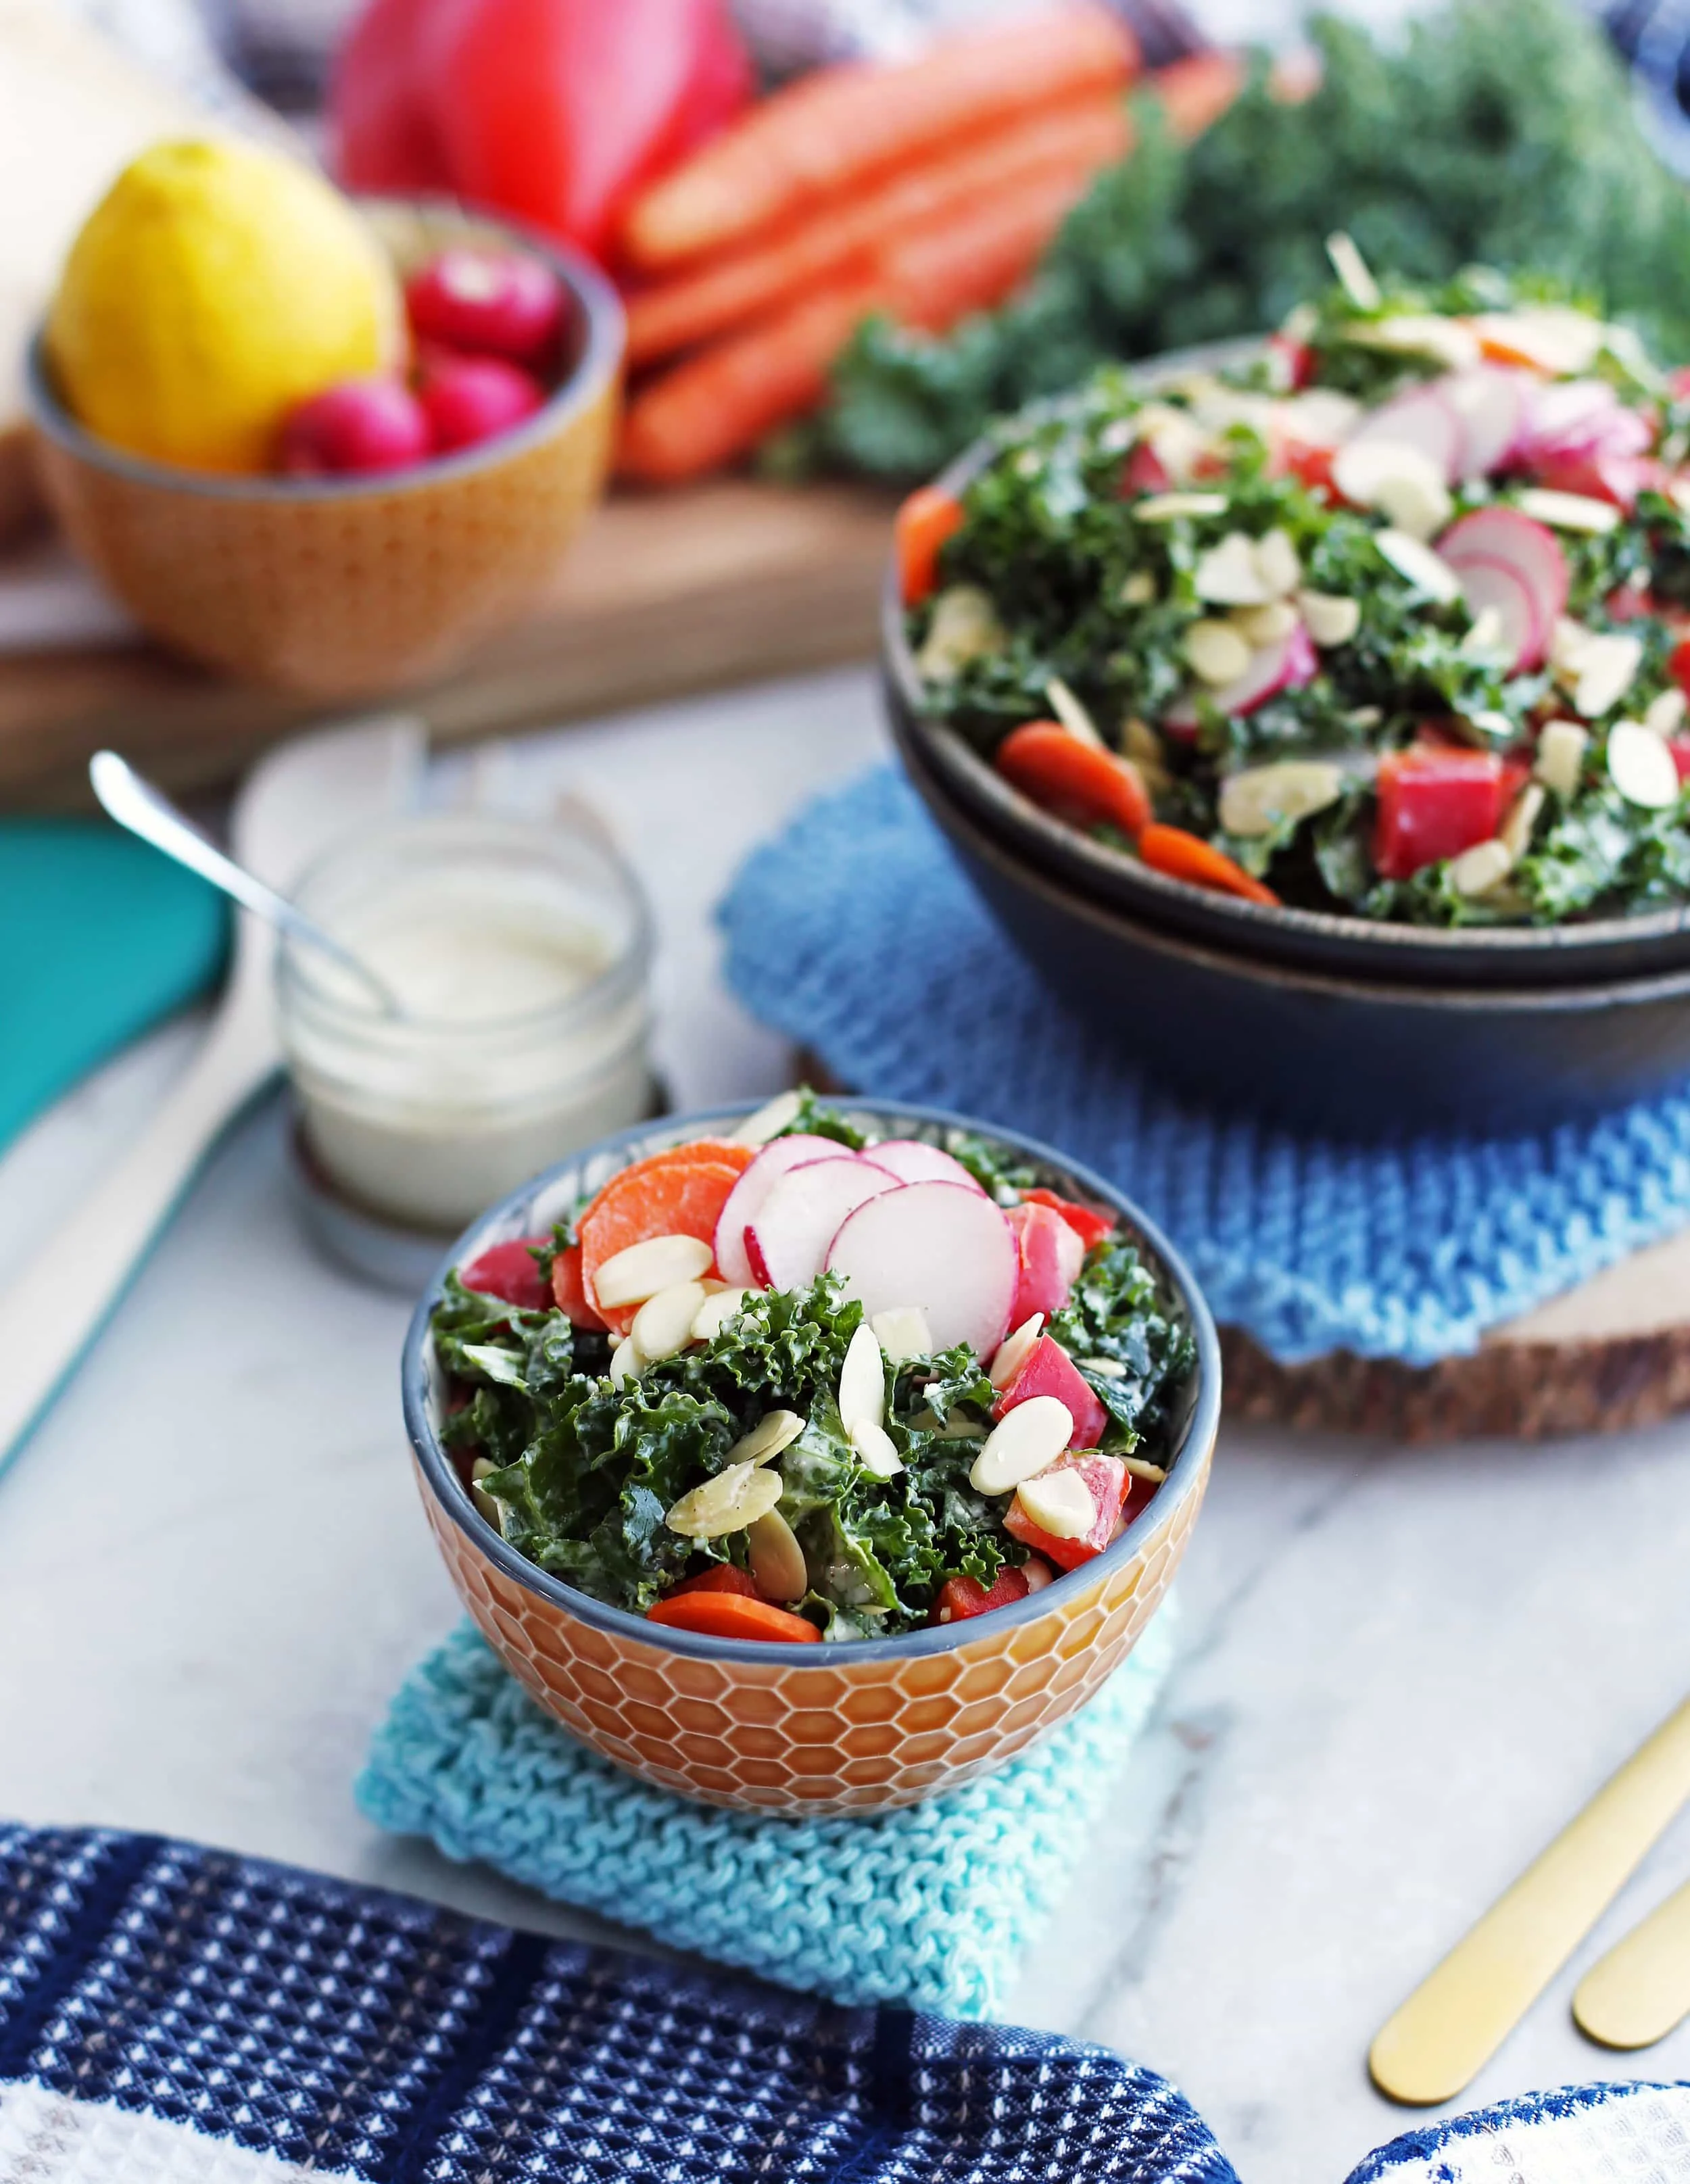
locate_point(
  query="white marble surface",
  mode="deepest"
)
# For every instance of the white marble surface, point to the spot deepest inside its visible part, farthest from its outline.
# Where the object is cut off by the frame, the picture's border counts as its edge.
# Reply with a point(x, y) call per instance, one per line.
point(1401, 1671)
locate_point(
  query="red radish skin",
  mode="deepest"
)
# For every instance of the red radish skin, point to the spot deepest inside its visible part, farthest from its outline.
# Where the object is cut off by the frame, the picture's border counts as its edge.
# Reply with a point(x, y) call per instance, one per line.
point(1528, 548)
point(1491, 402)
point(775, 1159)
point(1286, 666)
point(489, 303)
point(1090, 1228)
point(1050, 1371)
point(912, 1162)
point(471, 399)
point(1143, 472)
point(788, 1238)
point(1495, 584)
point(359, 427)
point(1423, 419)
point(508, 1271)
point(935, 1244)
point(1048, 1255)
point(1106, 1479)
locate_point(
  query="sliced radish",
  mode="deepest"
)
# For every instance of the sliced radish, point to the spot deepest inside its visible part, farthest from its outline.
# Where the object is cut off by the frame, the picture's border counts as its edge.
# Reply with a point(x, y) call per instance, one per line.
point(1051, 1255)
point(1286, 665)
point(1580, 417)
point(1491, 403)
point(1424, 419)
point(776, 1159)
point(1498, 586)
point(1529, 549)
point(788, 1237)
point(935, 1245)
point(912, 1162)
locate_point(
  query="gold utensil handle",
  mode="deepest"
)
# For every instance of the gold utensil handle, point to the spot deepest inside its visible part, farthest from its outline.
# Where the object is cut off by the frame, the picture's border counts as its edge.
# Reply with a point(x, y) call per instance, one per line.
point(1457, 2018)
point(1641, 1989)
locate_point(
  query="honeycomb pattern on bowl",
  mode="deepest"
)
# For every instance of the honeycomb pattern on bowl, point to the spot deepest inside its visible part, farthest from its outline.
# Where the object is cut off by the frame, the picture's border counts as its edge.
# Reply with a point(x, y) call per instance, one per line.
point(849, 1734)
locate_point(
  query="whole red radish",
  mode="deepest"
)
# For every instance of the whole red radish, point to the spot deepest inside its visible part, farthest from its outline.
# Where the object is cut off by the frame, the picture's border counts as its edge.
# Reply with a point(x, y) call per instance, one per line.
point(489, 303)
point(471, 398)
point(358, 426)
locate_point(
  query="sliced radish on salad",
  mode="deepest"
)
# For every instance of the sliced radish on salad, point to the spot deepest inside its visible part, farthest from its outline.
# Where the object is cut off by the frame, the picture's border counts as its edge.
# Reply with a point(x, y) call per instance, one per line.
point(1424, 419)
point(1491, 403)
point(1504, 538)
point(912, 1162)
point(1285, 665)
point(775, 1159)
point(1495, 586)
point(788, 1238)
point(948, 1250)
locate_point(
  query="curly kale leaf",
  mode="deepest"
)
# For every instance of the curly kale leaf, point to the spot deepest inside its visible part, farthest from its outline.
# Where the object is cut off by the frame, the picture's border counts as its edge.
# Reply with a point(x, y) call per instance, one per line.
point(1130, 1344)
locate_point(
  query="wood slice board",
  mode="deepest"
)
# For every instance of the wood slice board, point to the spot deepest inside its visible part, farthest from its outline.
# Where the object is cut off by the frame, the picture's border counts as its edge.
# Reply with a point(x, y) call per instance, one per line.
point(663, 594)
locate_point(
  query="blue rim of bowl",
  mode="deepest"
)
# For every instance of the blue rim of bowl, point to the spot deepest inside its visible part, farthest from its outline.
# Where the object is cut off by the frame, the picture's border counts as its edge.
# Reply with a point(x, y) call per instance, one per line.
point(1249, 918)
point(1202, 1422)
point(595, 368)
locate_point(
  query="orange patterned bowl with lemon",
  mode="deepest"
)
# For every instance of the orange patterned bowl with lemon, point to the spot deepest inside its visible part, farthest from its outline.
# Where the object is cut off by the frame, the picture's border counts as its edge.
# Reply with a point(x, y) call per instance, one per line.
point(816, 1459)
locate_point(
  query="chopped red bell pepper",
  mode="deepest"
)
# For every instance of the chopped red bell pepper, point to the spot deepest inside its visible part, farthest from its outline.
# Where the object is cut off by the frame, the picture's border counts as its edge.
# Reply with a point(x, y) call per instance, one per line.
point(721, 1578)
point(1615, 479)
point(1680, 747)
point(1309, 467)
point(1143, 472)
point(1678, 664)
point(1434, 803)
point(960, 1598)
point(1050, 1258)
point(1106, 1479)
point(569, 1290)
point(1295, 359)
point(507, 1271)
point(1050, 1371)
point(1090, 1228)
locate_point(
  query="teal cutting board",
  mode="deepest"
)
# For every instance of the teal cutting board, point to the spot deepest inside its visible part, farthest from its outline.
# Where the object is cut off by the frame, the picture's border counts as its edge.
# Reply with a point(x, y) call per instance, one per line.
point(100, 937)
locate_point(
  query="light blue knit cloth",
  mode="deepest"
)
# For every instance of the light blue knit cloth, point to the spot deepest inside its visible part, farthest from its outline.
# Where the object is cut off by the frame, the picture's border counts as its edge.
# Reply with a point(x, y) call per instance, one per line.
point(855, 934)
point(930, 1906)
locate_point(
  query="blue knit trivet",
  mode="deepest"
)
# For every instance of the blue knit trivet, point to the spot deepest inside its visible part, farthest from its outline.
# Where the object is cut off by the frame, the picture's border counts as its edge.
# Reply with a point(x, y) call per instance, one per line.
point(930, 1906)
point(855, 934)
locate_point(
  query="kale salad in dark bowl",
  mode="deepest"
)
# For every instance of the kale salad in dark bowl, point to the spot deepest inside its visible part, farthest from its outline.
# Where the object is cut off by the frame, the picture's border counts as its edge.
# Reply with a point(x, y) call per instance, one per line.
point(1364, 647)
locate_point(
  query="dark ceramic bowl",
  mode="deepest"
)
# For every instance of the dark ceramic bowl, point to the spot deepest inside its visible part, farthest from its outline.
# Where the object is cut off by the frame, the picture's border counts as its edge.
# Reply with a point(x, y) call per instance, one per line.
point(1316, 1047)
point(848, 1727)
point(1644, 946)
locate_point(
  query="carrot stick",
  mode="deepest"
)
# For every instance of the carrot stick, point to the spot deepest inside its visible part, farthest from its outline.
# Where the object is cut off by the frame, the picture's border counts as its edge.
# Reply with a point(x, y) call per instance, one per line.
point(729, 1615)
point(835, 129)
point(1185, 856)
point(1079, 137)
point(926, 520)
point(1074, 780)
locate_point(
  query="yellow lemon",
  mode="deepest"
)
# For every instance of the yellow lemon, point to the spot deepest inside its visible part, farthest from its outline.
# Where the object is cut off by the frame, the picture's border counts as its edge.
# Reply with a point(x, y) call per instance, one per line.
point(214, 285)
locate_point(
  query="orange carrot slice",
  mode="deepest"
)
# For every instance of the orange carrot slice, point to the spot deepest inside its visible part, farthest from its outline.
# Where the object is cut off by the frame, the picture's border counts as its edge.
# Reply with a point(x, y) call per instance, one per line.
point(927, 519)
point(1185, 856)
point(657, 1198)
point(1075, 781)
point(730, 1615)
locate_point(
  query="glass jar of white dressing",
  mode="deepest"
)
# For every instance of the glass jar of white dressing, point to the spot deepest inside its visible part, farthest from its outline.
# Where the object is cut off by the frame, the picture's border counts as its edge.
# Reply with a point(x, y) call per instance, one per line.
point(520, 954)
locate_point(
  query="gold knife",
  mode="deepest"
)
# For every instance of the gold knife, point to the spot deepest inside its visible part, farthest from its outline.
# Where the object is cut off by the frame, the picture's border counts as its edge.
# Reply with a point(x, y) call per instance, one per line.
point(1454, 2022)
point(1641, 1989)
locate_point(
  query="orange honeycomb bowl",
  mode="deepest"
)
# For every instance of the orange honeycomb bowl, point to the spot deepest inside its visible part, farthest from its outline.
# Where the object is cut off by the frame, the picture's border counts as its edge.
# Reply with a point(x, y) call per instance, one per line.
point(338, 587)
point(844, 1728)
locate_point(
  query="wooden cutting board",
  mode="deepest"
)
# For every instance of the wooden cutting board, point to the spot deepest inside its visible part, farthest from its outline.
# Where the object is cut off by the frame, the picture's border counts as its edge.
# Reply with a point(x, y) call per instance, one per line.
point(663, 594)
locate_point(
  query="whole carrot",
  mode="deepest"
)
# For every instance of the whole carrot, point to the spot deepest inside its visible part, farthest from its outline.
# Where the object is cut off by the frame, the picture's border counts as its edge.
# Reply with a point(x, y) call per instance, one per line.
point(1080, 137)
point(833, 131)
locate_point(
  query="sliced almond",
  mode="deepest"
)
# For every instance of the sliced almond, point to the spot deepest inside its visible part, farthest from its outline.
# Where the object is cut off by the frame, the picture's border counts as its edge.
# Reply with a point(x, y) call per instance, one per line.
point(1476, 870)
point(1665, 714)
point(1568, 643)
point(1175, 438)
point(1169, 507)
point(1566, 511)
point(902, 1334)
point(1142, 743)
point(874, 1450)
point(1227, 575)
point(1321, 417)
point(718, 1308)
point(1485, 636)
point(1560, 755)
point(1641, 767)
point(1060, 1502)
point(1139, 590)
point(1105, 1368)
point(1555, 339)
point(863, 1382)
point(776, 1558)
point(1413, 559)
point(774, 1431)
point(1013, 1351)
point(1217, 653)
point(1071, 713)
point(624, 1362)
point(1453, 345)
point(482, 1467)
point(1261, 798)
point(1140, 1466)
point(1034, 1434)
point(964, 627)
point(1351, 269)
point(1328, 617)
point(1038, 1573)
point(769, 1120)
point(727, 1503)
point(1261, 626)
point(1515, 834)
point(1608, 666)
point(632, 1276)
point(1277, 564)
point(664, 1323)
point(1402, 482)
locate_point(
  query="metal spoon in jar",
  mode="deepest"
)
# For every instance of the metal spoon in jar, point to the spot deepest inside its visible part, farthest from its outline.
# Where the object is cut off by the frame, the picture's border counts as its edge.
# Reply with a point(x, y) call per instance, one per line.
point(148, 813)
